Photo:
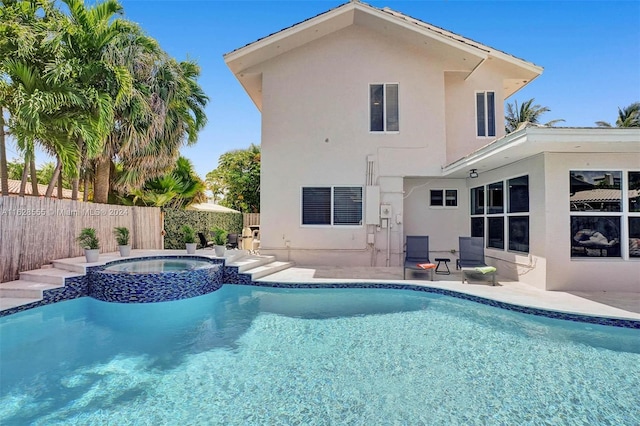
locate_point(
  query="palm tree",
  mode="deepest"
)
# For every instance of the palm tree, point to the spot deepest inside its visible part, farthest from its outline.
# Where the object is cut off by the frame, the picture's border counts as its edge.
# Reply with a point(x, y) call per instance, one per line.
point(92, 31)
point(178, 103)
point(177, 189)
point(46, 105)
point(526, 113)
point(627, 117)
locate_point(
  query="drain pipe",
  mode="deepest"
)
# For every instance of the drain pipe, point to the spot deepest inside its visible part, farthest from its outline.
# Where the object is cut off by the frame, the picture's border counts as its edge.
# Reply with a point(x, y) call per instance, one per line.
point(388, 241)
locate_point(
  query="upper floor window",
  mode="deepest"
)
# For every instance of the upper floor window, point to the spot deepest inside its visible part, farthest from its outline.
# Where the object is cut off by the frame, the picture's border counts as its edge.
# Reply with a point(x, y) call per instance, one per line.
point(383, 100)
point(337, 205)
point(485, 114)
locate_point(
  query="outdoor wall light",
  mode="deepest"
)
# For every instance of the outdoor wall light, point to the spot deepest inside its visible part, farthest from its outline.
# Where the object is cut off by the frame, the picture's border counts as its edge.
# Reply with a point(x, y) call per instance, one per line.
point(473, 173)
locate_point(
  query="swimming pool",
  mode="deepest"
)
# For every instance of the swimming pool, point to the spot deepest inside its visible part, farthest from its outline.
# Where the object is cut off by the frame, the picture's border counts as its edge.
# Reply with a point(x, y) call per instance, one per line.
point(251, 355)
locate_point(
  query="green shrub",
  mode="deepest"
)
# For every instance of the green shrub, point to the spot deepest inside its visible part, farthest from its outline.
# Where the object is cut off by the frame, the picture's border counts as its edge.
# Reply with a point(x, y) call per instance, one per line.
point(88, 239)
point(122, 235)
point(219, 236)
point(188, 234)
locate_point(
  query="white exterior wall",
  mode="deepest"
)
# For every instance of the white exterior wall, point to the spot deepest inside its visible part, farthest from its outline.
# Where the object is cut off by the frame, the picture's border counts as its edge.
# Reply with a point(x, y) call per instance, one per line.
point(460, 98)
point(531, 267)
point(585, 274)
point(443, 225)
point(315, 132)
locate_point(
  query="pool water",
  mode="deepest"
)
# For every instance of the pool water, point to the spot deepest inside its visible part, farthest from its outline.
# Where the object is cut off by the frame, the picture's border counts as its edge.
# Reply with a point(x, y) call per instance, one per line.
point(157, 265)
point(250, 355)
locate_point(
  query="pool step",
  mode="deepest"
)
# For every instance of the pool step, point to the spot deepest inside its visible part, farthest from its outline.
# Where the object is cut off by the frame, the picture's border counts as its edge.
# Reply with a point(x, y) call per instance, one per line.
point(48, 275)
point(249, 262)
point(13, 302)
point(25, 289)
point(268, 269)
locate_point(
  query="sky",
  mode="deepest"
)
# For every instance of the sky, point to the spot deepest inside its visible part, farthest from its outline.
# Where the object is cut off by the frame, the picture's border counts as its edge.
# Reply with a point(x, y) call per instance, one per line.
point(590, 52)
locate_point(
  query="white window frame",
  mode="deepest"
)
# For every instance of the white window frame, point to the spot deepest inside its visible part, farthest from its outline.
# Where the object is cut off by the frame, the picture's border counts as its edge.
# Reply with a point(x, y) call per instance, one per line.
point(624, 214)
point(486, 117)
point(331, 225)
point(384, 108)
point(444, 198)
point(505, 214)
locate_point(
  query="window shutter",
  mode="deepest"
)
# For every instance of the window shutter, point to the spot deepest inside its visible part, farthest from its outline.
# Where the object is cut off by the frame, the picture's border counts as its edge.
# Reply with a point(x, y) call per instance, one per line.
point(316, 206)
point(392, 108)
point(347, 205)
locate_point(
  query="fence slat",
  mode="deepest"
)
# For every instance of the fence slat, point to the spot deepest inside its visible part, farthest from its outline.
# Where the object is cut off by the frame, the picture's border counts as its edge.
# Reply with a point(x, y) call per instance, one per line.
point(250, 219)
point(34, 230)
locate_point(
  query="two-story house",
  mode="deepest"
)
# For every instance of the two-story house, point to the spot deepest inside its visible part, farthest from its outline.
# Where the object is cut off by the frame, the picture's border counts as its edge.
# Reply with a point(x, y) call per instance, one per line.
point(376, 125)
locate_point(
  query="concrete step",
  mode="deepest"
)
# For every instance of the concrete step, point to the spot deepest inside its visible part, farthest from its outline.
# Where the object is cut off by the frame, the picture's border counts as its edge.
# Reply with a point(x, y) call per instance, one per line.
point(249, 262)
point(12, 302)
point(48, 275)
point(27, 289)
point(74, 266)
point(268, 269)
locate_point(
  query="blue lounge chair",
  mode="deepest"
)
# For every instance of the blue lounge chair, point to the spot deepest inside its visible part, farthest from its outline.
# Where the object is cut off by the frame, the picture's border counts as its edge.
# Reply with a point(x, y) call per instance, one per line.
point(417, 253)
point(472, 258)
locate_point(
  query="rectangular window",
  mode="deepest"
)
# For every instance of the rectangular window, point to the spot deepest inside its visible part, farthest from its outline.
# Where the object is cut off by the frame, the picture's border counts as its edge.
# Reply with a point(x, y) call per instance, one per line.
point(477, 226)
point(485, 114)
point(595, 191)
point(443, 197)
point(634, 191)
point(340, 205)
point(519, 233)
point(316, 206)
point(595, 236)
point(519, 194)
point(634, 236)
point(347, 205)
point(477, 200)
point(516, 216)
point(495, 232)
point(384, 115)
point(495, 199)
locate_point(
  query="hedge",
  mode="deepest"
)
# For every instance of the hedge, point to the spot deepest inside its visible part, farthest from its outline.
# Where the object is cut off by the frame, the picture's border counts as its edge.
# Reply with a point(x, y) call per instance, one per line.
point(175, 219)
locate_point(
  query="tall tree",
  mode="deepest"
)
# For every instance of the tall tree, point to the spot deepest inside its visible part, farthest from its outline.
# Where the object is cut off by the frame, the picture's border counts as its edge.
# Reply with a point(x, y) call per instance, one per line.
point(177, 103)
point(525, 113)
point(40, 90)
point(237, 179)
point(627, 117)
point(93, 31)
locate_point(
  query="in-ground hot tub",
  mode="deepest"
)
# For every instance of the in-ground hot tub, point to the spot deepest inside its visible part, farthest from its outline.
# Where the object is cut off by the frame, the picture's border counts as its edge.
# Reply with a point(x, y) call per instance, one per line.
point(156, 279)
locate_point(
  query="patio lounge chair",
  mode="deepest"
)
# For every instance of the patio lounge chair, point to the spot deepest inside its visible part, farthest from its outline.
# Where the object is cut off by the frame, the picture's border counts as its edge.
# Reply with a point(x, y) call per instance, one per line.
point(472, 258)
point(203, 241)
point(417, 255)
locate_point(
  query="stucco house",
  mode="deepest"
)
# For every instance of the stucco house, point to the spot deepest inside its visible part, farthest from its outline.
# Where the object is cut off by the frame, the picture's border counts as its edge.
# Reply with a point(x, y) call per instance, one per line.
point(376, 126)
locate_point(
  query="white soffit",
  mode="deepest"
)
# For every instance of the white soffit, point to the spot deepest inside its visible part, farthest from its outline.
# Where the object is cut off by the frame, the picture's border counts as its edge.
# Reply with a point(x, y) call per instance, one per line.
point(531, 141)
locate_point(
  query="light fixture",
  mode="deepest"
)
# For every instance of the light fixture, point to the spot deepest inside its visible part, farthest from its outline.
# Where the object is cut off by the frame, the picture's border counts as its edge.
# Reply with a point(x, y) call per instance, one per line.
point(473, 173)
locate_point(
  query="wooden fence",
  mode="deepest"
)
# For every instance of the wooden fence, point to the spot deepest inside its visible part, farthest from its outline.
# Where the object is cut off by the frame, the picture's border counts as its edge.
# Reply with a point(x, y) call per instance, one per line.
point(250, 219)
point(34, 231)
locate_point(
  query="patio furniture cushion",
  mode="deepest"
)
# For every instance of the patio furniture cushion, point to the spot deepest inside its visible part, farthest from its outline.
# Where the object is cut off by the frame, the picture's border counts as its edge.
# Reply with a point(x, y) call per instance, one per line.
point(426, 265)
point(485, 269)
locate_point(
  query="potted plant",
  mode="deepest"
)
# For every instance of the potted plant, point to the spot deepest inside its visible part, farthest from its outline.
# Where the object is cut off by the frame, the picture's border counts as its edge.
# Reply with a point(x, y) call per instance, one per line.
point(89, 241)
point(189, 237)
point(122, 237)
point(220, 241)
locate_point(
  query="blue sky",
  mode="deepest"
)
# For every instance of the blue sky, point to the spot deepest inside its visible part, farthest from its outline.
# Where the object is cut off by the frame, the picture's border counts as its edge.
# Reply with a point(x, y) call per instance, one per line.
point(590, 51)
